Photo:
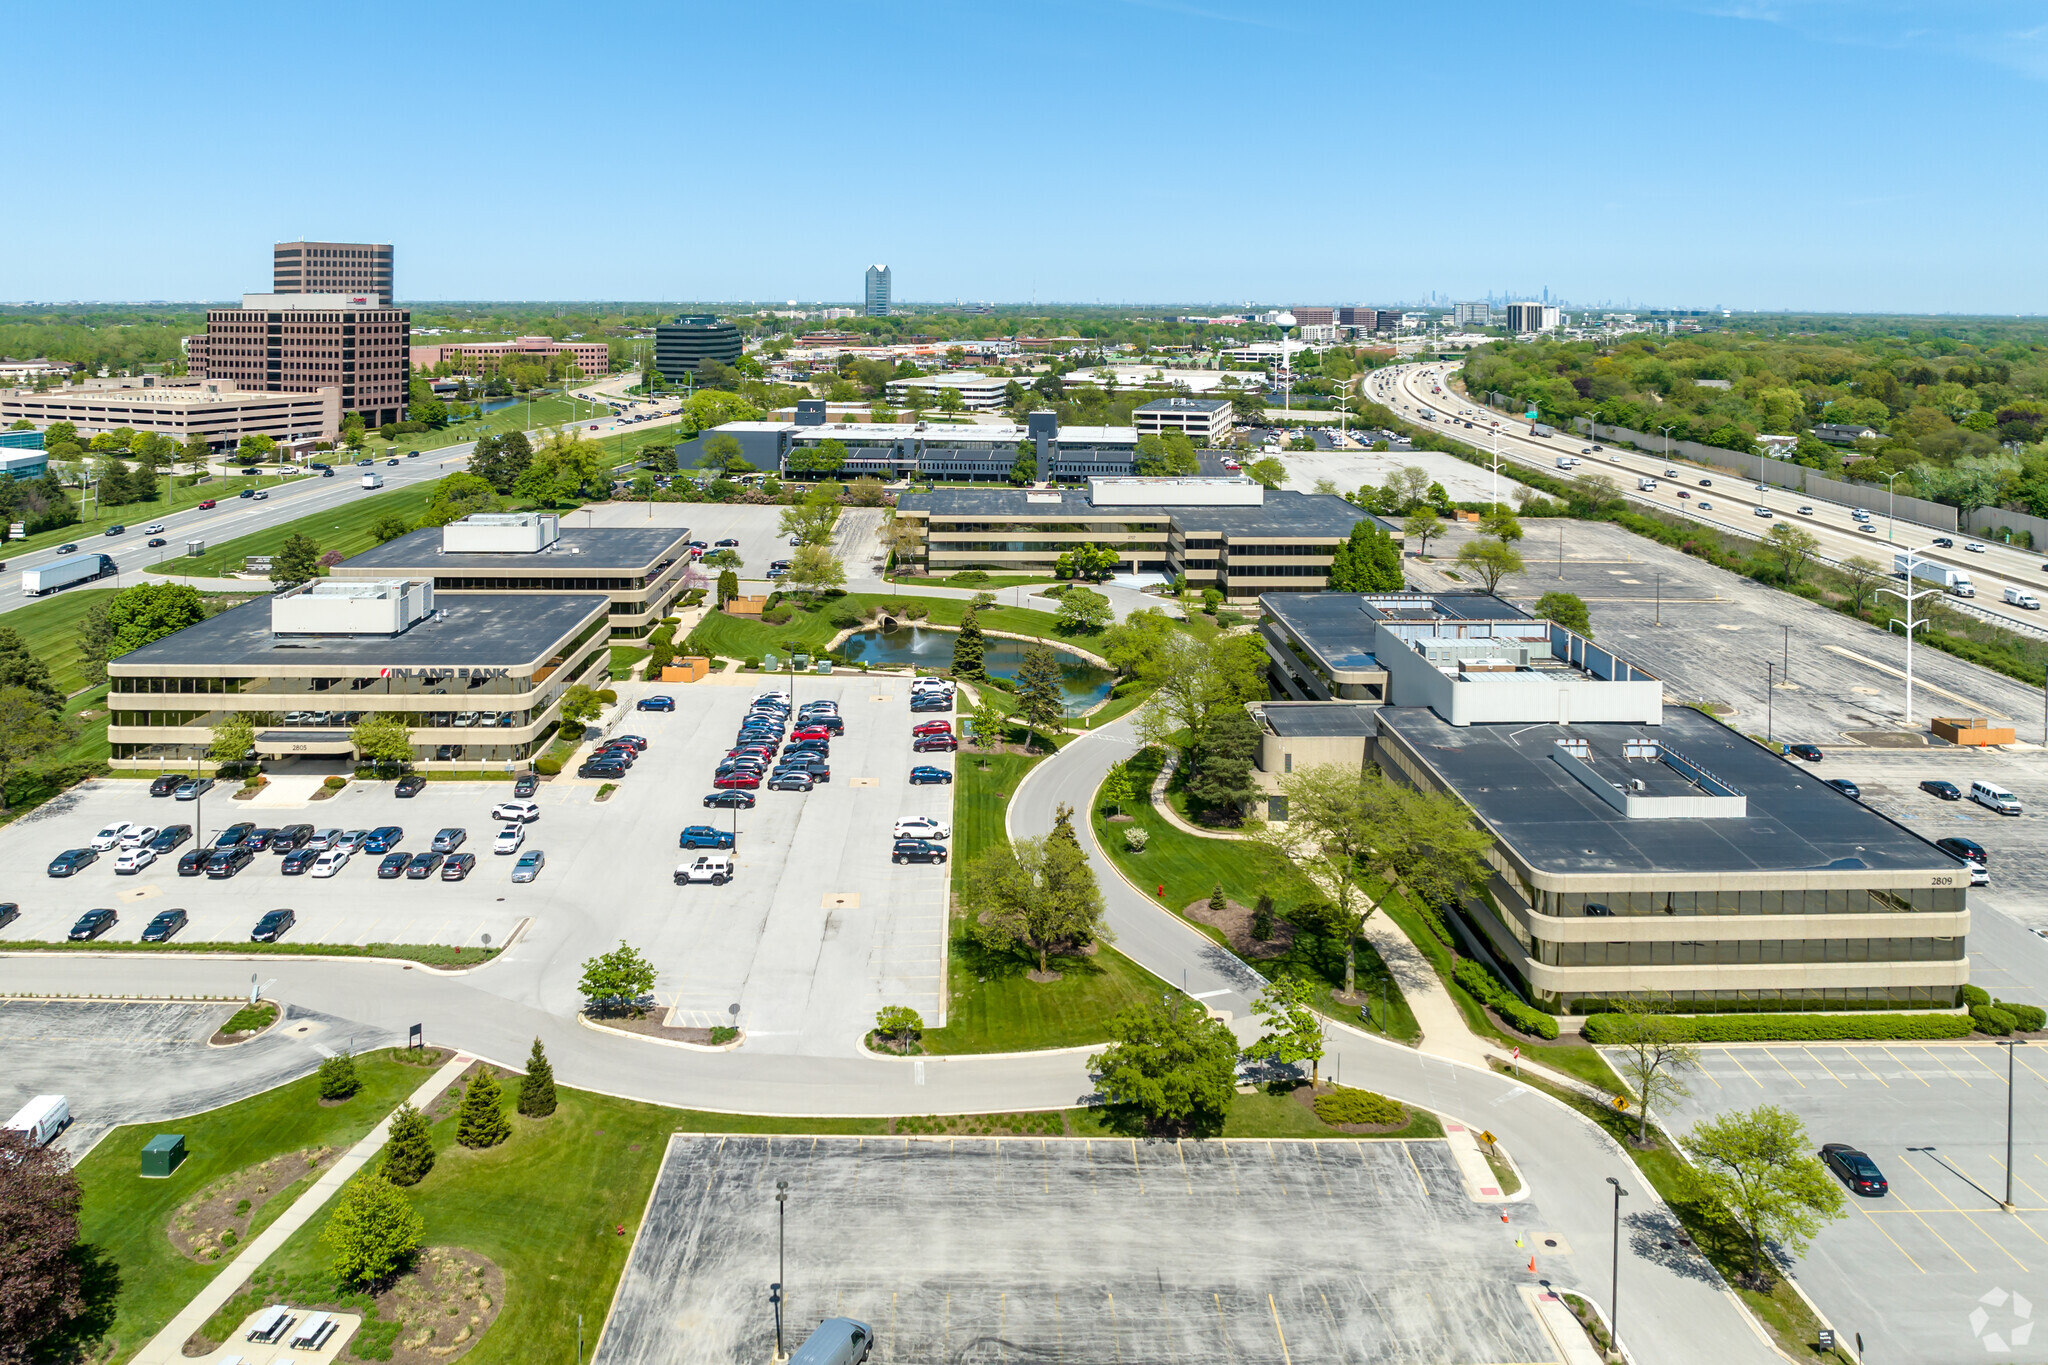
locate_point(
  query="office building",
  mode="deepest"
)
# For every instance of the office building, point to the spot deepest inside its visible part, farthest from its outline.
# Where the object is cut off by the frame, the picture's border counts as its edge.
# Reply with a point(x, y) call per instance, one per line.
point(641, 572)
point(1230, 533)
point(1205, 421)
point(1640, 851)
point(331, 268)
point(1369, 320)
point(681, 346)
point(1532, 317)
point(963, 452)
point(477, 357)
point(877, 305)
point(302, 343)
point(478, 677)
point(215, 409)
point(1472, 314)
point(977, 392)
point(1314, 316)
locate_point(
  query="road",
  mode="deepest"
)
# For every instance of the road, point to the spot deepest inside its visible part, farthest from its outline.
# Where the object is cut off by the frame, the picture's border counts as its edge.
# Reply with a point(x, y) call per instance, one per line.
point(1411, 390)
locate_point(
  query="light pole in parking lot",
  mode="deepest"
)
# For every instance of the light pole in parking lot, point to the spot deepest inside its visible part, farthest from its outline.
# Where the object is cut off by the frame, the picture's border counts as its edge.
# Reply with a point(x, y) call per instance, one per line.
point(2009, 1044)
point(1908, 597)
point(781, 1263)
point(1614, 1282)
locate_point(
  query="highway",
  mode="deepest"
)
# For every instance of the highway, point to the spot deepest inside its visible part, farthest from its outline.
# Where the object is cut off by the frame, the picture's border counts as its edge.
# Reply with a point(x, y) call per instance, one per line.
point(1411, 390)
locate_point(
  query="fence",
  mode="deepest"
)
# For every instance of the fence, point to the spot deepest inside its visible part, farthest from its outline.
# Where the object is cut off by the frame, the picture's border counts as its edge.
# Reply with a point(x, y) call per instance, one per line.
point(1991, 522)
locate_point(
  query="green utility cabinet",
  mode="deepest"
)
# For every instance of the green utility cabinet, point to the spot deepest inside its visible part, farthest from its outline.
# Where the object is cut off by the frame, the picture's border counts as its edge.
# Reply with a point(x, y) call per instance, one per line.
point(163, 1154)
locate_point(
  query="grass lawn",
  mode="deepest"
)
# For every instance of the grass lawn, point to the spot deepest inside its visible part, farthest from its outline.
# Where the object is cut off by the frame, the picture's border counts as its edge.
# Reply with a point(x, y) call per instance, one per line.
point(1191, 867)
point(1265, 1113)
point(991, 1005)
point(50, 630)
point(623, 659)
point(990, 584)
point(549, 411)
point(345, 528)
point(738, 637)
point(1790, 1321)
point(123, 1220)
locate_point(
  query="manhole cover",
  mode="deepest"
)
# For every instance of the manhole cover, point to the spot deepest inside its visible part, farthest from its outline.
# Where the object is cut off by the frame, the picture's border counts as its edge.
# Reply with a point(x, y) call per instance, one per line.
point(882, 698)
point(1553, 1242)
point(867, 782)
point(841, 900)
point(138, 893)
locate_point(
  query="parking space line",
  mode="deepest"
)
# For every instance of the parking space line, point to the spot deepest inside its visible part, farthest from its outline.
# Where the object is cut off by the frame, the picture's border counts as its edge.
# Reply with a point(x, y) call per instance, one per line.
point(1181, 1152)
point(2037, 1075)
point(1905, 1068)
point(1317, 1149)
point(1893, 1240)
point(1743, 1069)
point(1976, 1054)
point(1825, 1067)
point(1772, 1053)
point(1958, 1208)
point(1942, 1062)
point(1287, 1358)
point(1231, 1157)
point(1417, 1169)
point(1850, 1053)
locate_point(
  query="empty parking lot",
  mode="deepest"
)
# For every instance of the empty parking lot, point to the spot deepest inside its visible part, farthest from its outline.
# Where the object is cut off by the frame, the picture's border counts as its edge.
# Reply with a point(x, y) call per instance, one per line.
point(1075, 1249)
point(1914, 1267)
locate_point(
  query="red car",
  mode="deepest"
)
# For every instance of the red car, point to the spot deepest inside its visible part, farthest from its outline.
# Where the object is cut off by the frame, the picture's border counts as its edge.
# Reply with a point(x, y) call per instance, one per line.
point(932, 727)
point(927, 744)
point(207, 504)
point(742, 779)
point(762, 751)
point(812, 732)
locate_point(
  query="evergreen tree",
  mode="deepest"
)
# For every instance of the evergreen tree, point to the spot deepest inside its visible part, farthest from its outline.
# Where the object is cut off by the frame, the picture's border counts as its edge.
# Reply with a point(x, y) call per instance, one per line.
point(969, 648)
point(374, 1231)
point(481, 1121)
point(338, 1078)
point(1063, 826)
point(1041, 695)
point(1217, 902)
point(537, 1090)
point(409, 1155)
point(1223, 762)
point(297, 560)
point(1262, 919)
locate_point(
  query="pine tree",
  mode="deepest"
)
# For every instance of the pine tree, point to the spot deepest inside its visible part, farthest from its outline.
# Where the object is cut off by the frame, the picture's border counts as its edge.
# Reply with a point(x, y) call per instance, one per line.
point(410, 1153)
point(537, 1090)
point(1217, 903)
point(969, 646)
point(481, 1121)
point(338, 1077)
point(1262, 919)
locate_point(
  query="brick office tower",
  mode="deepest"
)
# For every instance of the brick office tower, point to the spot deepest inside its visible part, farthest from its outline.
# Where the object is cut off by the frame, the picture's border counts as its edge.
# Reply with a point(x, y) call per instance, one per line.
point(331, 268)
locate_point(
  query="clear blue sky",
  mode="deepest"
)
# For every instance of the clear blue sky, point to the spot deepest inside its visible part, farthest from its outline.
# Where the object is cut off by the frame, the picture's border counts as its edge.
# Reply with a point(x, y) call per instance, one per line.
point(1857, 155)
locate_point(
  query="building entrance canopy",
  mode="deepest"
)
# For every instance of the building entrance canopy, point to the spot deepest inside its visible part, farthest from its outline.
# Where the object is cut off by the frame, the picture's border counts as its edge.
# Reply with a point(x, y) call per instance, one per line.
point(277, 742)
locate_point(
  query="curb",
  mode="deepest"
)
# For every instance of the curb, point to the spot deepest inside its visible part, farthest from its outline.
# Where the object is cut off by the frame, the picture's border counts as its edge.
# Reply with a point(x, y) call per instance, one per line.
point(588, 1023)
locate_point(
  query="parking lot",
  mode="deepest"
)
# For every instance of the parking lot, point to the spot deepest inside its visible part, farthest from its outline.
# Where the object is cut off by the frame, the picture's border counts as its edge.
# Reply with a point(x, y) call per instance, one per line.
point(1350, 468)
point(754, 527)
point(133, 1062)
point(818, 930)
point(1912, 1268)
point(964, 1249)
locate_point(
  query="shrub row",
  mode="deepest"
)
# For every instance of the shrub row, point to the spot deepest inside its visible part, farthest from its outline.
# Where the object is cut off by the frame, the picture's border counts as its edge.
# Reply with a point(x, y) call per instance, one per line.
point(1477, 978)
point(1358, 1106)
point(1767, 1028)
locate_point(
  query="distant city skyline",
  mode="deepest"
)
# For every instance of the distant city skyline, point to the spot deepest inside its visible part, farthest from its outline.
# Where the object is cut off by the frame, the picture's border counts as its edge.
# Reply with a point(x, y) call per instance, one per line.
point(1691, 153)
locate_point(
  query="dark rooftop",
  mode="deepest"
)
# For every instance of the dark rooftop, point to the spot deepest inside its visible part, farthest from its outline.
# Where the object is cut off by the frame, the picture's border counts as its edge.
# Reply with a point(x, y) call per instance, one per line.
point(498, 630)
point(1318, 719)
point(1338, 626)
point(1795, 822)
point(1169, 404)
point(586, 550)
point(1285, 513)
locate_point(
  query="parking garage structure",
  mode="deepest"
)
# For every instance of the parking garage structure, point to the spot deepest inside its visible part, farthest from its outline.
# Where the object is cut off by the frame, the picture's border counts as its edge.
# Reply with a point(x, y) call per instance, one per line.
point(478, 678)
point(641, 572)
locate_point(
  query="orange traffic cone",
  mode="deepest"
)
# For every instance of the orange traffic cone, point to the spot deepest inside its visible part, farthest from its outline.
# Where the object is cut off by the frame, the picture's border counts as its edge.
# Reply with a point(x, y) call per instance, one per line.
point(1532, 1265)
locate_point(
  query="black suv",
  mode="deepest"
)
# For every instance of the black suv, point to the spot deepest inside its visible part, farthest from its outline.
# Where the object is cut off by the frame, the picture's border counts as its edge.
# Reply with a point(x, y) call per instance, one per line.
point(226, 862)
point(194, 861)
point(72, 861)
point(525, 785)
point(297, 861)
point(918, 851)
point(602, 767)
point(167, 923)
point(271, 927)
point(234, 834)
point(165, 785)
point(92, 924)
point(1959, 847)
point(169, 837)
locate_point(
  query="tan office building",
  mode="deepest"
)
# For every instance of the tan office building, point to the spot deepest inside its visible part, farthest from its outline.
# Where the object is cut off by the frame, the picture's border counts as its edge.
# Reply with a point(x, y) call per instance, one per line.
point(331, 268)
point(213, 408)
point(300, 343)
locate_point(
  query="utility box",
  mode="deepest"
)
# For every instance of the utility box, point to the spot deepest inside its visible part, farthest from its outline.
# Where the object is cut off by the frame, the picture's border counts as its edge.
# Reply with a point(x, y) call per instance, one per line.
point(824, 665)
point(163, 1154)
point(687, 670)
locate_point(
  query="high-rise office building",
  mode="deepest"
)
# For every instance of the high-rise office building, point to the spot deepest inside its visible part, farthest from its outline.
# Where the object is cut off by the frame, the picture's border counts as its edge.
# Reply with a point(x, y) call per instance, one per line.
point(1532, 317)
point(878, 292)
point(332, 268)
point(682, 346)
point(1465, 314)
point(1312, 315)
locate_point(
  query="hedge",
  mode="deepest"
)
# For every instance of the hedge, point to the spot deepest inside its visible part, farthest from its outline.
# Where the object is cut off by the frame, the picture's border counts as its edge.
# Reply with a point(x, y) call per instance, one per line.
point(1482, 983)
point(548, 766)
point(1344, 1105)
point(2026, 1018)
point(1768, 1028)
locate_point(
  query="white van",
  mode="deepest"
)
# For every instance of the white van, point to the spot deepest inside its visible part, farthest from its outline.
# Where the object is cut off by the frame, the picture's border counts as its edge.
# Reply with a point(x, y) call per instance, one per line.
point(1997, 798)
point(42, 1118)
point(2020, 597)
point(1646, 485)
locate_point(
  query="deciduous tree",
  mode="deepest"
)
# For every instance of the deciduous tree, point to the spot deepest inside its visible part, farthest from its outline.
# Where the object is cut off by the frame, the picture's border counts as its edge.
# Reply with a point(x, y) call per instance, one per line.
point(1652, 1057)
point(899, 1022)
point(1490, 561)
point(39, 1277)
point(382, 737)
point(1861, 575)
point(1367, 561)
point(1568, 609)
point(618, 980)
point(1032, 896)
point(1759, 1165)
point(814, 569)
point(1082, 609)
point(1422, 527)
point(1294, 1030)
point(374, 1231)
point(1170, 1062)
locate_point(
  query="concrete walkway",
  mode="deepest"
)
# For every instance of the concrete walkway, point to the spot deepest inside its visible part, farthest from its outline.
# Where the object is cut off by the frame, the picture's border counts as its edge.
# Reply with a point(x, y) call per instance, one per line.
point(167, 1347)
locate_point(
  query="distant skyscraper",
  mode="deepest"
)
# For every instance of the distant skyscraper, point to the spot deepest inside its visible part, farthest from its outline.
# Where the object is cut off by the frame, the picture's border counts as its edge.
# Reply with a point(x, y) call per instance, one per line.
point(878, 292)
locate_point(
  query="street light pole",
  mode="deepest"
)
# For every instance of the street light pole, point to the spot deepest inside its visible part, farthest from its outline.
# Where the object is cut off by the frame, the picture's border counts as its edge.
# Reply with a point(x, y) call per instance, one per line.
point(1909, 597)
point(1891, 524)
point(1614, 1282)
point(2009, 1044)
point(1770, 699)
point(781, 1261)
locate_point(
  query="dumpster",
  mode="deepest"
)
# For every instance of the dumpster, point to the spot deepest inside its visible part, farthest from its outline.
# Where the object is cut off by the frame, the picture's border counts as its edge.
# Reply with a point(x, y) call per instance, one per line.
point(163, 1154)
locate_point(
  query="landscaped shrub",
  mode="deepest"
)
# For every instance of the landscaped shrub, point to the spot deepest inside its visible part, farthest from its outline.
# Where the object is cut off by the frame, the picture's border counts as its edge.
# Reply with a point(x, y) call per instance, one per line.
point(1358, 1106)
point(338, 1078)
point(971, 576)
point(1975, 995)
point(1766, 1028)
point(778, 616)
point(1991, 1019)
point(2025, 1018)
point(608, 696)
point(1135, 838)
point(844, 620)
point(547, 767)
point(1485, 986)
point(753, 661)
point(335, 783)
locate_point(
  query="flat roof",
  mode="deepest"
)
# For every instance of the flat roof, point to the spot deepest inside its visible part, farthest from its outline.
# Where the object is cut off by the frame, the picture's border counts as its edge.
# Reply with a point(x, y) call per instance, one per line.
point(1318, 719)
point(585, 550)
point(1795, 821)
point(496, 630)
point(1338, 626)
point(1169, 404)
point(1286, 513)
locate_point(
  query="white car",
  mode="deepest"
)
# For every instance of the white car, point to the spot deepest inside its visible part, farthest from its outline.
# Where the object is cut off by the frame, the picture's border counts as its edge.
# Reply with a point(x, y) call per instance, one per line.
point(133, 860)
point(330, 862)
point(519, 812)
point(1763, 511)
point(1975, 547)
point(155, 528)
point(782, 697)
point(509, 839)
point(715, 868)
point(922, 827)
point(138, 835)
point(110, 836)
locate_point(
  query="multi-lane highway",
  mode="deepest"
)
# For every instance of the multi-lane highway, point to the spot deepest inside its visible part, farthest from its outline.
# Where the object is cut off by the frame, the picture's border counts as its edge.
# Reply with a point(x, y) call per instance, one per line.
point(1412, 390)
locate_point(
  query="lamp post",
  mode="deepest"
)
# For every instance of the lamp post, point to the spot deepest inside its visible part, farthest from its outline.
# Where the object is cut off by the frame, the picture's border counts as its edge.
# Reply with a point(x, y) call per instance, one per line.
point(1614, 1282)
point(2009, 1044)
point(1909, 597)
point(1890, 521)
point(1770, 699)
point(781, 1262)
point(1667, 440)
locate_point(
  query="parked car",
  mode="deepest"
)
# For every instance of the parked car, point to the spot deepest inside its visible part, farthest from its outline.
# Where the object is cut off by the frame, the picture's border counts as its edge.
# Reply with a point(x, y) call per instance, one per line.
point(9, 913)
point(226, 862)
point(422, 865)
point(169, 837)
point(704, 836)
point(934, 744)
point(138, 835)
point(598, 767)
point(529, 865)
point(662, 703)
point(1947, 791)
point(814, 764)
point(929, 703)
point(918, 851)
point(259, 839)
point(1810, 752)
point(195, 788)
point(166, 924)
point(727, 544)
point(791, 780)
point(925, 774)
point(523, 812)
point(133, 860)
point(330, 861)
point(1856, 1170)
point(637, 743)
point(933, 727)
point(509, 839)
point(412, 784)
point(193, 863)
point(110, 837)
point(735, 800)
point(712, 868)
point(72, 861)
point(1968, 849)
point(272, 926)
point(737, 779)
point(1846, 787)
point(457, 866)
point(448, 840)
point(323, 839)
point(297, 861)
point(92, 924)
point(165, 785)
point(394, 865)
point(383, 839)
point(525, 785)
point(922, 827)
point(234, 834)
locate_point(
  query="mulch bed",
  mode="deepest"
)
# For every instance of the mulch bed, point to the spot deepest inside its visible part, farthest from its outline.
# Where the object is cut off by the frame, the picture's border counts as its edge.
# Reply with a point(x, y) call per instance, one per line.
point(216, 1220)
point(1306, 1098)
point(1236, 924)
point(652, 1027)
point(442, 1307)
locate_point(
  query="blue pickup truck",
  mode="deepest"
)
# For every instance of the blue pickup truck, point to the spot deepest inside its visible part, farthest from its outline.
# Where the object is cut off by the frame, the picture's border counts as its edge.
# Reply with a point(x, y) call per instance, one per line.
point(703, 836)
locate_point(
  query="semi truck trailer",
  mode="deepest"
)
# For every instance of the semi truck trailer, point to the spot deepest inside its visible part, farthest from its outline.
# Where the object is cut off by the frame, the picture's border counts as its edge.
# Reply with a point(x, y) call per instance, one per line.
point(47, 578)
point(1955, 581)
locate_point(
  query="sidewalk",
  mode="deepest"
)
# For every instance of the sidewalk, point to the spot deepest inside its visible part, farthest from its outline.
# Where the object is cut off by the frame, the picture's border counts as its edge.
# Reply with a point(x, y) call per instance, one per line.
point(167, 1347)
